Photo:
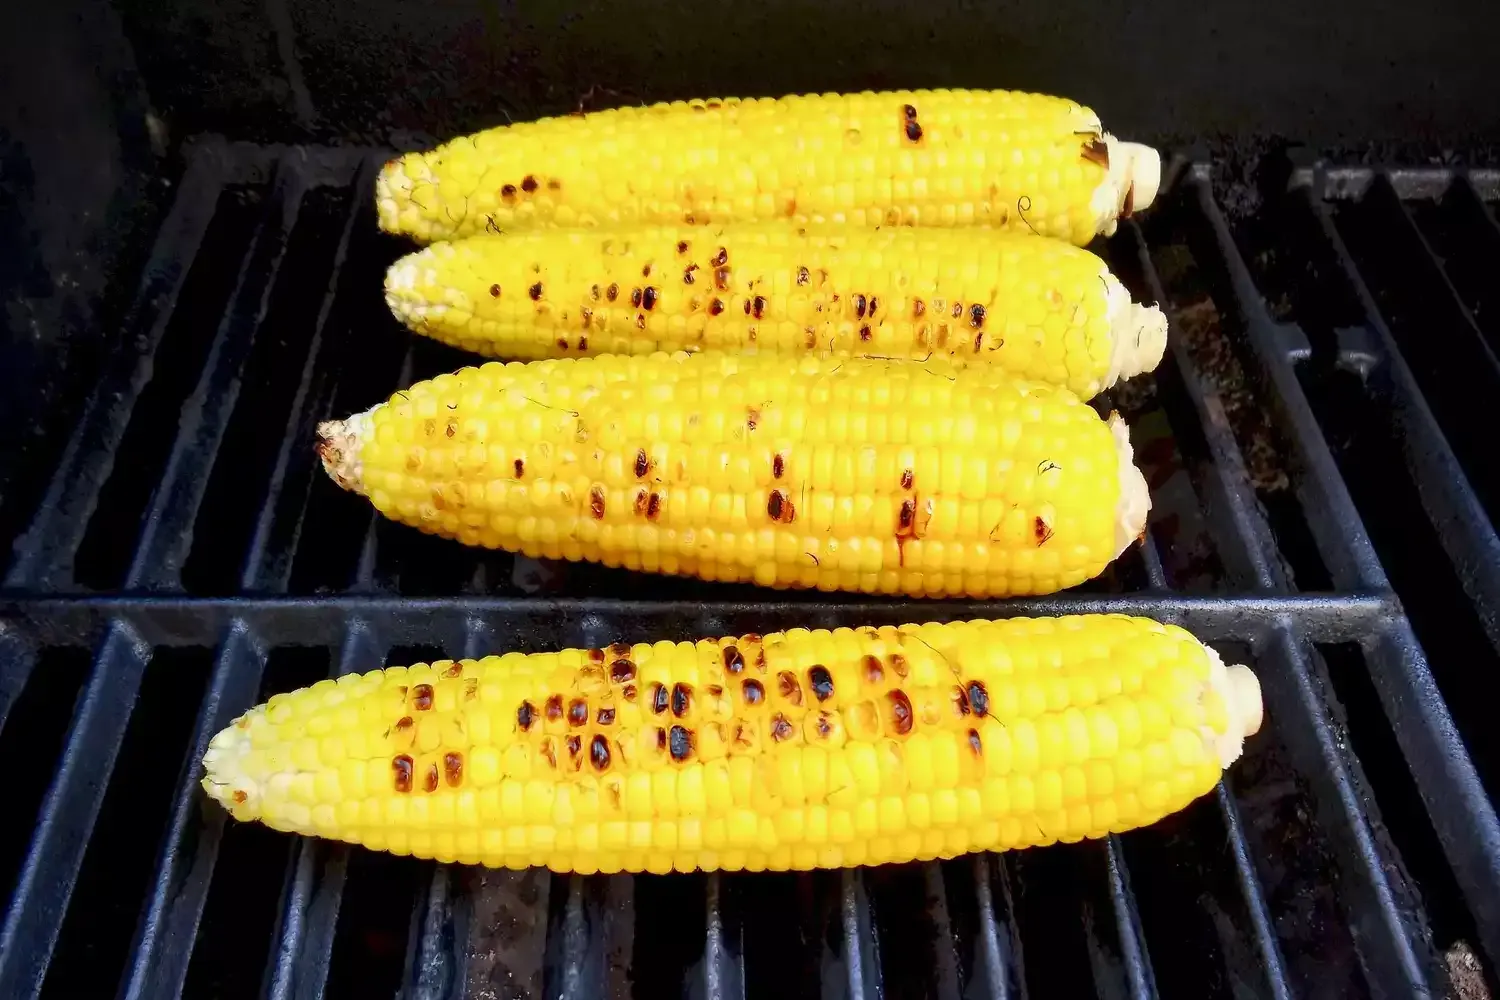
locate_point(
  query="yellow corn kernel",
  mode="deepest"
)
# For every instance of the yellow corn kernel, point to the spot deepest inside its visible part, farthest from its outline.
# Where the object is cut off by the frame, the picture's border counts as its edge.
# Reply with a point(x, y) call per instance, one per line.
point(925, 784)
point(1030, 162)
point(1041, 309)
point(769, 442)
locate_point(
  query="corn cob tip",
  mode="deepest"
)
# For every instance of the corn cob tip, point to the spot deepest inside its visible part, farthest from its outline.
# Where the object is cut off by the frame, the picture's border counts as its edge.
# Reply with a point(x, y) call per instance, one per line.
point(339, 444)
point(1135, 498)
point(1140, 334)
point(1239, 689)
point(1134, 180)
point(395, 186)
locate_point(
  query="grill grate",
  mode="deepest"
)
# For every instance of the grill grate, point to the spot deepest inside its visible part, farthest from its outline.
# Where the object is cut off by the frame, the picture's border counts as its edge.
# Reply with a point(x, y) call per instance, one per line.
point(187, 559)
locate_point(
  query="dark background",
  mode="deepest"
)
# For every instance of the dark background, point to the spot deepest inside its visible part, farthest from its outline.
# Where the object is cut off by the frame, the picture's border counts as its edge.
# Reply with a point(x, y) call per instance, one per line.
point(96, 98)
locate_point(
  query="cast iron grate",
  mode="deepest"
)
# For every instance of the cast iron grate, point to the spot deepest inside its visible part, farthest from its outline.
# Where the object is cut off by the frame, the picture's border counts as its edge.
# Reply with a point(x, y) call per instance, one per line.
point(1324, 509)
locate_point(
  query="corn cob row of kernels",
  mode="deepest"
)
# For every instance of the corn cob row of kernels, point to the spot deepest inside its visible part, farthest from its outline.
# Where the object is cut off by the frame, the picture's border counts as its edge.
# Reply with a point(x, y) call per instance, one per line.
point(840, 474)
point(1040, 309)
point(795, 750)
point(946, 158)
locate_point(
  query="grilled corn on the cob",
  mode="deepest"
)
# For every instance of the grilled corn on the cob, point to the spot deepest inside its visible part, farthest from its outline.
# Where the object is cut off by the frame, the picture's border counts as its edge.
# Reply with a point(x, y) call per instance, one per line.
point(795, 750)
point(924, 157)
point(1040, 308)
point(841, 474)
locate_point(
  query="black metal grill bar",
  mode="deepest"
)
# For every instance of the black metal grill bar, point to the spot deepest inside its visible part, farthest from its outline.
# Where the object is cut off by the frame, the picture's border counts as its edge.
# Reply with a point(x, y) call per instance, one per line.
point(167, 531)
point(67, 815)
point(860, 952)
point(306, 407)
point(723, 947)
point(1467, 184)
point(200, 621)
point(190, 844)
point(999, 948)
point(1261, 920)
point(1454, 509)
point(364, 574)
point(44, 554)
point(1139, 980)
point(17, 660)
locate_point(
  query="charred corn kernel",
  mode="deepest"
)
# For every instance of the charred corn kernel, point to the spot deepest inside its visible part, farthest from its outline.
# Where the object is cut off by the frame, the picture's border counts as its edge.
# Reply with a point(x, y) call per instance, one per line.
point(767, 442)
point(1039, 308)
point(947, 158)
point(918, 788)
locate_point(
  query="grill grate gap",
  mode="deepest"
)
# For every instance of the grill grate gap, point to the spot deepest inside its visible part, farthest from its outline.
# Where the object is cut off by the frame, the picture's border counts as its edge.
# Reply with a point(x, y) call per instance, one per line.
point(1460, 656)
point(374, 924)
point(1468, 246)
point(1403, 817)
point(668, 946)
point(239, 916)
point(913, 924)
point(268, 383)
point(1456, 373)
point(1296, 864)
point(102, 911)
point(34, 730)
point(1215, 349)
point(104, 556)
point(1047, 899)
point(784, 956)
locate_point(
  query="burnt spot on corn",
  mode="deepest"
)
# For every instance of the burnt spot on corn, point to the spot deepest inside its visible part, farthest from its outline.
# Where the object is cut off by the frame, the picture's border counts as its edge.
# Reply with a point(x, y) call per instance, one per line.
point(910, 112)
point(901, 714)
point(454, 670)
point(599, 752)
point(823, 725)
point(606, 715)
point(960, 702)
point(734, 661)
point(687, 274)
point(494, 291)
point(721, 278)
point(906, 479)
point(802, 276)
point(781, 729)
point(913, 131)
point(628, 692)
point(471, 688)
point(596, 502)
point(978, 341)
point(658, 698)
point(622, 671)
point(859, 306)
point(758, 306)
point(979, 698)
point(508, 192)
point(1041, 530)
point(812, 337)
point(779, 507)
point(918, 308)
point(653, 507)
point(874, 304)
point(520, 466)
point(874, 672)
point(721, 258)
point(404, 723)
point(974, 744)
point(682, 699)
point(453, 768)
point(553, 184)
point(646, 271)
point(747, 307)
point(421, 697)
point(680, 743)
point(661, 738)
point(715, 307)
point(594, 292)
point(642, 463)
point(898, 665)
point(528, 184)
point(753, 691)
point(535, 291)
point(430, 779)
point(575, 749)
point(578, 712)
point(240, 797)
point(612, 292)
point(976, 315)
point(821, 682)
point(788, 687)
point(778, 466)
point(1096, 150)
point(635, 297)
point(549, 752)
point(640, 503)
point(554, 708)
point(587, 315)
point(958, 309)
point(906, 516)
point(682, 246)
point(525, 716)
point(752, 417)
point(864, 332)
point(401, 770)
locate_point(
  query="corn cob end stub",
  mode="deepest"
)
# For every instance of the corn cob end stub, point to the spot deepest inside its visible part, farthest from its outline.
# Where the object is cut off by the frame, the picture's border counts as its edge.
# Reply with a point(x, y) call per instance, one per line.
point(1135, 498)
point(1132, 183)
point(1140, 333)
point(338, 447)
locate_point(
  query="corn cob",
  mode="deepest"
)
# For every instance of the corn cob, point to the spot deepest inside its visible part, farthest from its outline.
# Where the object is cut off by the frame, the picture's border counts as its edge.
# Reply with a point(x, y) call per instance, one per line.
point(1039, 308)
point(925, 157)
point(864, 475)
point(796, 750)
